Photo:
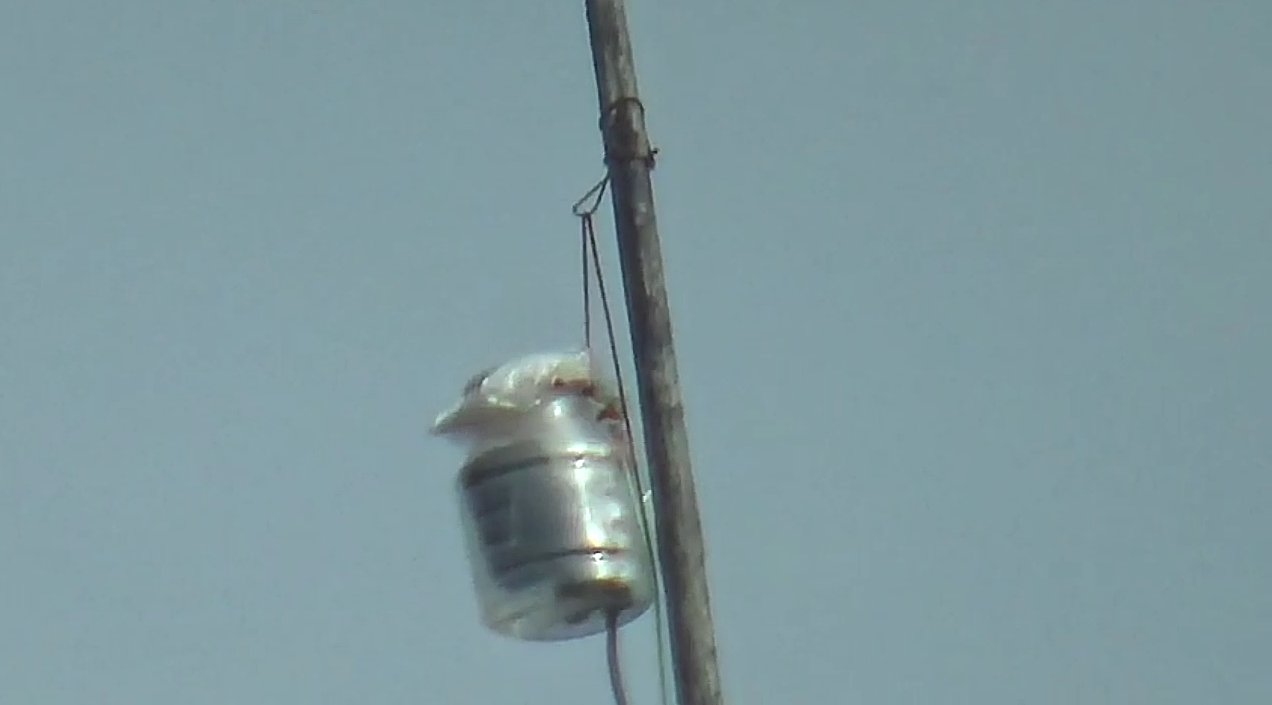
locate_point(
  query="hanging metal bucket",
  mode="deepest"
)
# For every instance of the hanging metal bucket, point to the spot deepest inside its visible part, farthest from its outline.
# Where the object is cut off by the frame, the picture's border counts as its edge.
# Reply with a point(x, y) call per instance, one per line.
point(553, 527)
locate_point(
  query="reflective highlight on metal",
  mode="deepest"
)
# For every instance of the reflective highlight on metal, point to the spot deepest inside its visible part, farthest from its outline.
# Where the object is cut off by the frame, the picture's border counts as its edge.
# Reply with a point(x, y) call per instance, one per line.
point(553, 529)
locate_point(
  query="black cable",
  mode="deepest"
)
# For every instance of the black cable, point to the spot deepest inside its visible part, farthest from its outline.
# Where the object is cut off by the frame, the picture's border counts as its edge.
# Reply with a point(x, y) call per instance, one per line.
point(611, 657)
point(586, 220)
point(612, 337)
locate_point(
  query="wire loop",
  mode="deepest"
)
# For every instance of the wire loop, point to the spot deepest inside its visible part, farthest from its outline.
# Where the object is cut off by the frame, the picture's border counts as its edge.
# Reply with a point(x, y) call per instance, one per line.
point(586, 209)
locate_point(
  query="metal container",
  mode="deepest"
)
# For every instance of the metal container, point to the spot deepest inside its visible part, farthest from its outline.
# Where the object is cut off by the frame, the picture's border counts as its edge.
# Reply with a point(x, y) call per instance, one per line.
point(552, 526)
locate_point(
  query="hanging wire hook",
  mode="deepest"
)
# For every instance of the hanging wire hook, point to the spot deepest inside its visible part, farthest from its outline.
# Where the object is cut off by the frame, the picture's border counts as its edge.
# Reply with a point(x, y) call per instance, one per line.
point(586, 208)
point(592, 198)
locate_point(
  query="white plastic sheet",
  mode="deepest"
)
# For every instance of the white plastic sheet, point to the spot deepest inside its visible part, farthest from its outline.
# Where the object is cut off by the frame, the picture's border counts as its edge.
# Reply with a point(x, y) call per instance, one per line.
point(497, 395)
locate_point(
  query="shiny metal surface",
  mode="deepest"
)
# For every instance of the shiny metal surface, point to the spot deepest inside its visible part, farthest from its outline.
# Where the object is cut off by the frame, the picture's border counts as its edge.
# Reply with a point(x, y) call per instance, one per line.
point(553, 530)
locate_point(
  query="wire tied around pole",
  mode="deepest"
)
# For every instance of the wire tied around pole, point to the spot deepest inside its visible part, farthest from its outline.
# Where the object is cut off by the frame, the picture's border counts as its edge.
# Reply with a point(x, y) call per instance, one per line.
point(640, 152)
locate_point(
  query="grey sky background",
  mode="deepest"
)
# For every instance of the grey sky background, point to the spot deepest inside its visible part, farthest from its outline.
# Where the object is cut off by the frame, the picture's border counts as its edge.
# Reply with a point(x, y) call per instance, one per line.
point(972, 306)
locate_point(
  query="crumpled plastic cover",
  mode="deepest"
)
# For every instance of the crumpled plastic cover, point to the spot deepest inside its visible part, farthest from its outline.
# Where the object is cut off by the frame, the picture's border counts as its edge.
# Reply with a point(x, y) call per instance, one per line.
point(495, 393)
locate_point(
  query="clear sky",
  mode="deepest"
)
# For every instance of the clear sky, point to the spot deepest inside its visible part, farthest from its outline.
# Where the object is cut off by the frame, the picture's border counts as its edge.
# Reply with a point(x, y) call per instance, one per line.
point(971, 301)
